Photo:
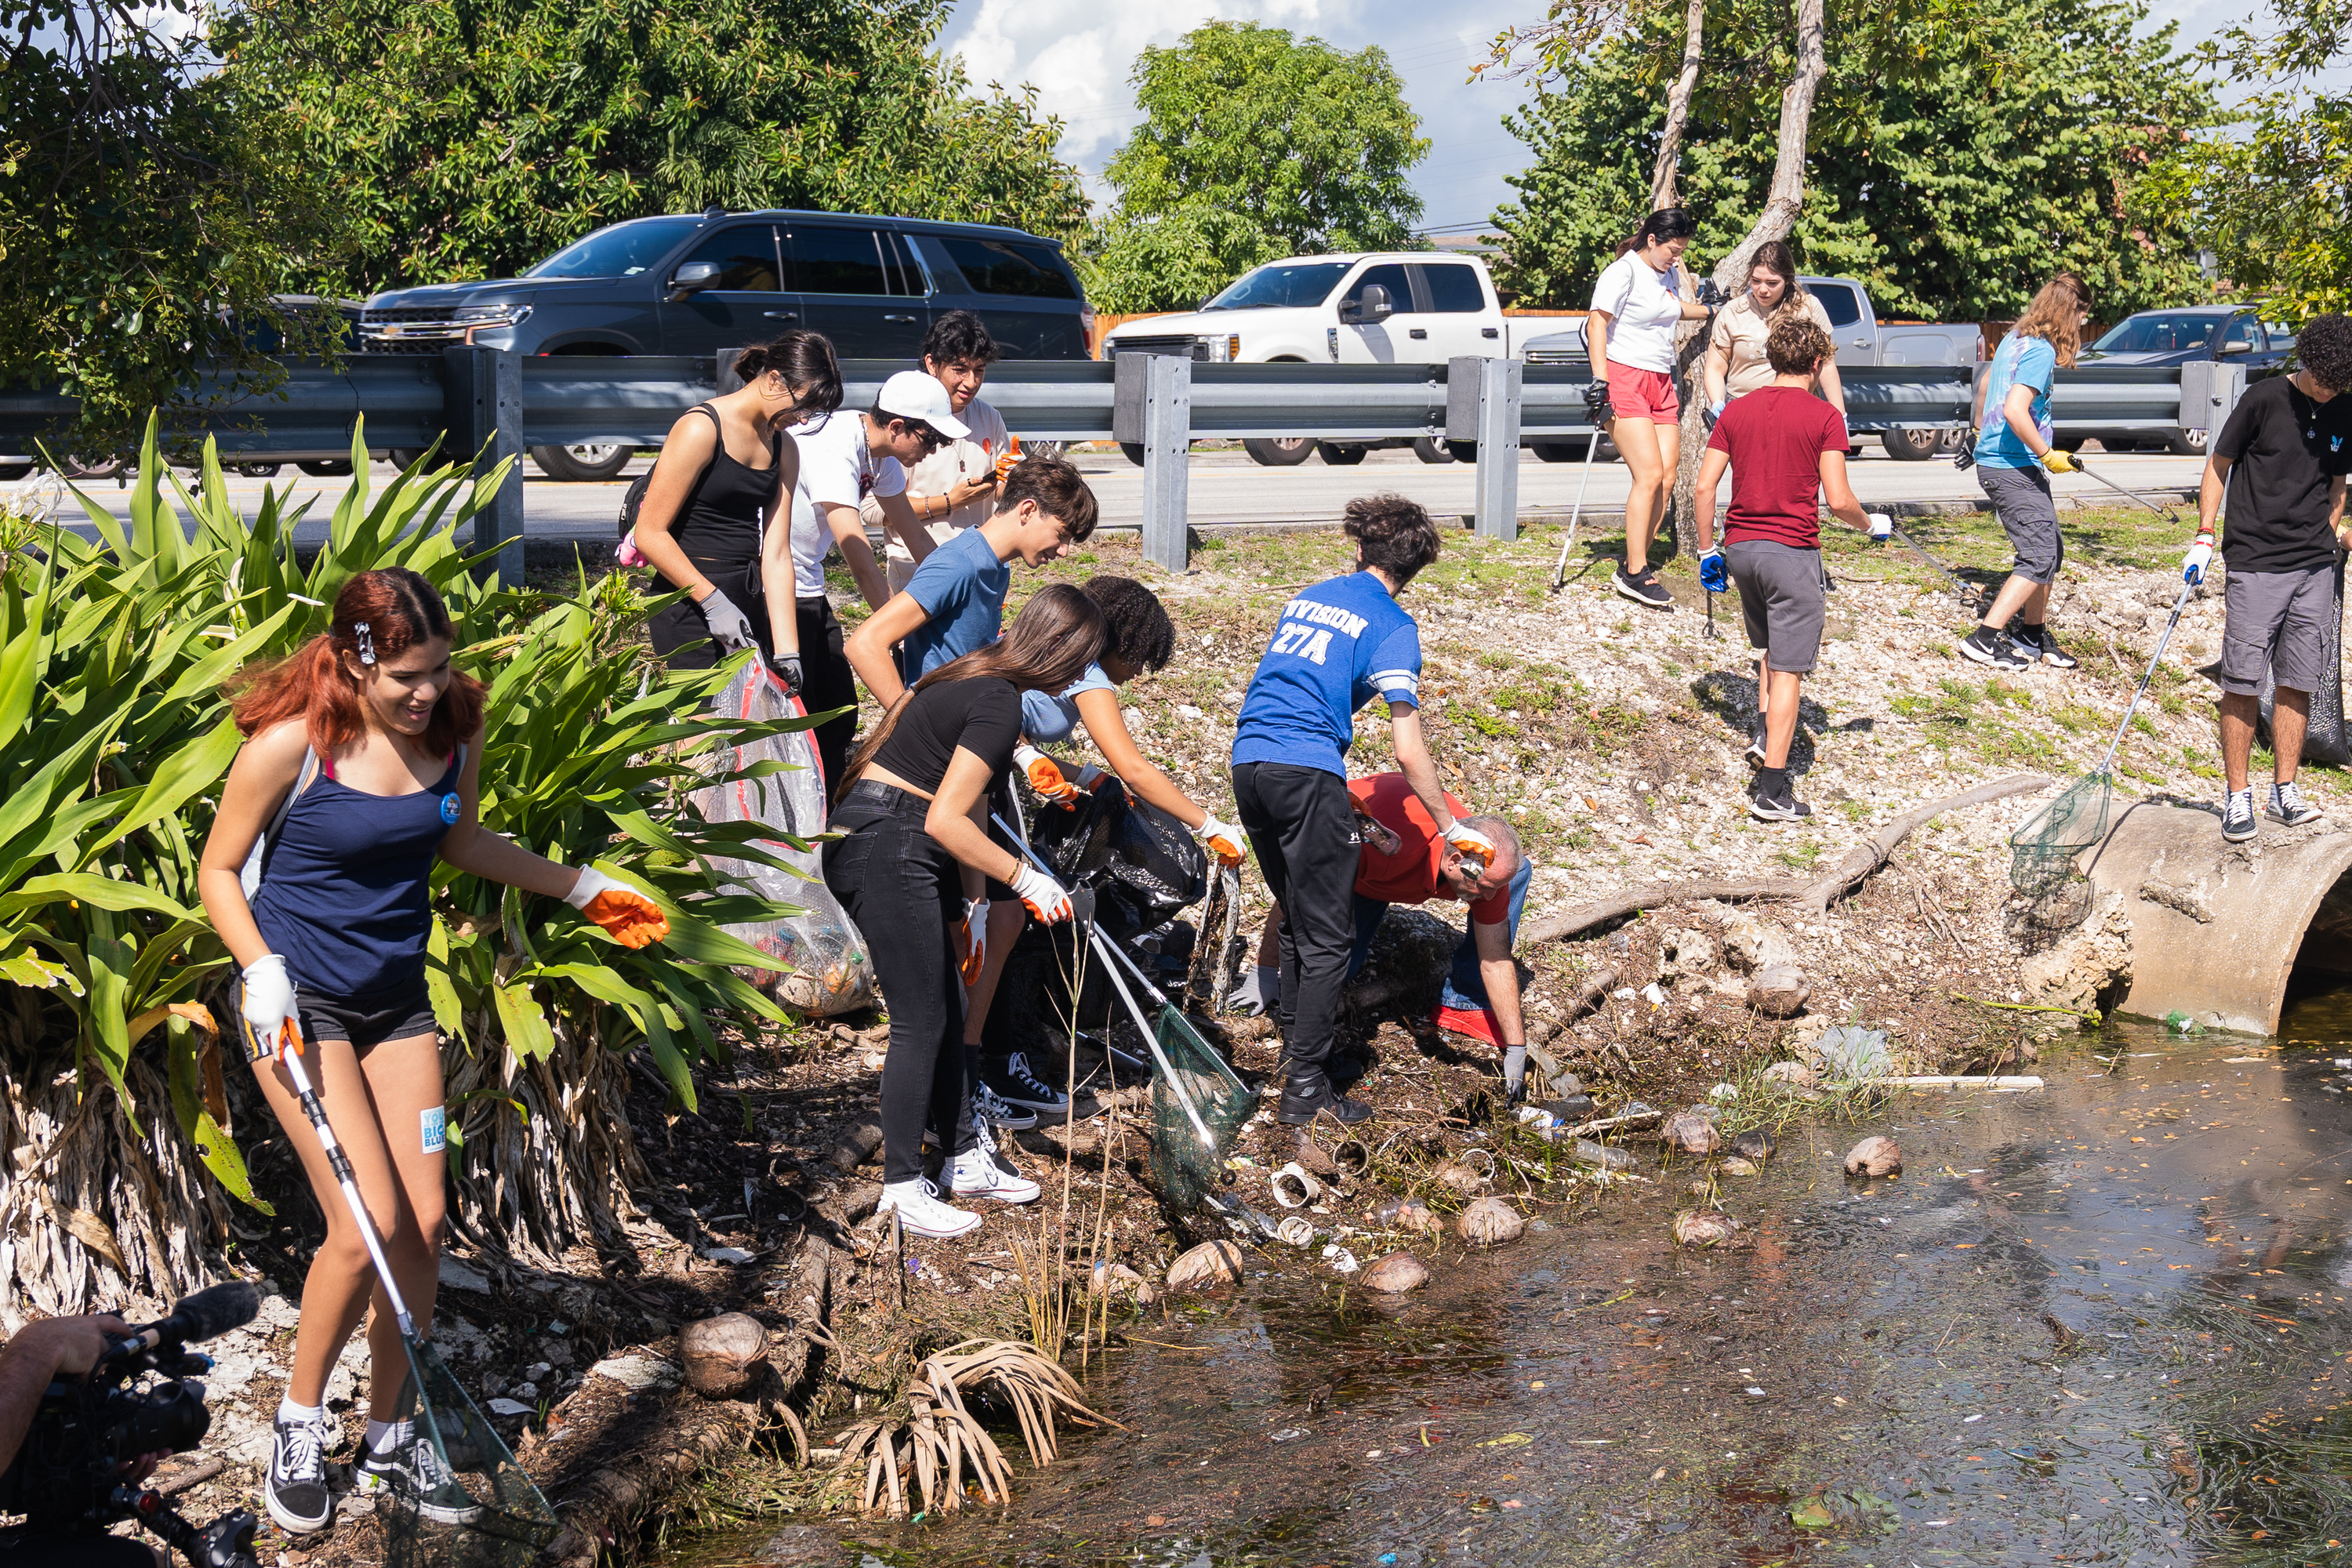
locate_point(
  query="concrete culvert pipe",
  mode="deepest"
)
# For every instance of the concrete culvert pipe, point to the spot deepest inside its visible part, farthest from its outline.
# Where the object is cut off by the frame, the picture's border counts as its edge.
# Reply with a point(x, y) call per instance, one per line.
point(2217, 931)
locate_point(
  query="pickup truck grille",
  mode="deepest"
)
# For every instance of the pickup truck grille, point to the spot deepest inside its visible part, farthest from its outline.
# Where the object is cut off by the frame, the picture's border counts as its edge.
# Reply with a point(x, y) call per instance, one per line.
point(1185, 346)
point(425, 329)
point(1556, 357)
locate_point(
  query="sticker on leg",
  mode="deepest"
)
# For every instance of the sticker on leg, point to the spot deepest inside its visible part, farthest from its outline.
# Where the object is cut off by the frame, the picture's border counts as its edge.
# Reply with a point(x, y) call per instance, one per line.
point(434, 1126)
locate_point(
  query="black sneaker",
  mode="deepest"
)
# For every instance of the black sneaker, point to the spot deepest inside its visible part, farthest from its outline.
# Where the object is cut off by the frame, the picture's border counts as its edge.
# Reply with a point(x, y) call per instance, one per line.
point(2287, 805)
point(1643, 589)
point(1303, 1103)
point(295, 1488)
point(2238, 816)
point(414, 1474)
point(989, 1106)
point(1013, 1084)
point(1997, 649)
point(1776, 799)
point(2036, 643)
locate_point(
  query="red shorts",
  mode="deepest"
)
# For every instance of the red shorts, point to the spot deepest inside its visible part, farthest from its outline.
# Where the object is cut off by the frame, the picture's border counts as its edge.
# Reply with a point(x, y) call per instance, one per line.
point(1642, 395)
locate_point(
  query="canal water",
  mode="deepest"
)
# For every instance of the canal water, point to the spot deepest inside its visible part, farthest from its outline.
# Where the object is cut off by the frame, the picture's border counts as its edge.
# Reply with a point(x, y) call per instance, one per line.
point(2104, 1321)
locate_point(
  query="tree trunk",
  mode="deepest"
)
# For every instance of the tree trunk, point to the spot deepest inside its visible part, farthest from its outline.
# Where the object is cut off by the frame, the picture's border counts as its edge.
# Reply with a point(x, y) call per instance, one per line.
point(1663, 192)
point(1782, 203)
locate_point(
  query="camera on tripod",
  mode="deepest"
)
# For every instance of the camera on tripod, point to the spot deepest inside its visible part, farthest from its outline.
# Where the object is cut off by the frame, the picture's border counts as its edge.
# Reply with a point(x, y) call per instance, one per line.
point(143, 1397)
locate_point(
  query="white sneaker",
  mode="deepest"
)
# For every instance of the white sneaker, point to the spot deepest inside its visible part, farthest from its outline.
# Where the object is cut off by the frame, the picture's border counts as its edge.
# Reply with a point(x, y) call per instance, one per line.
point(983, 1172)
point(920, 1211)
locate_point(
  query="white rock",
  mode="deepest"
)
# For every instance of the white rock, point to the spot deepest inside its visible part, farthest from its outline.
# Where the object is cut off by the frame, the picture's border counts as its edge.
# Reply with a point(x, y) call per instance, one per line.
point(457, 1276)
point(638, 1373)
point(727, 1254)
point(511, 1407)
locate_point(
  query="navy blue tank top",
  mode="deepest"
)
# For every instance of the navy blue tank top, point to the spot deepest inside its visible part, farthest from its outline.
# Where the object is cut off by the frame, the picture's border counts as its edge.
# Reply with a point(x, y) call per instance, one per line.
point(344, 897)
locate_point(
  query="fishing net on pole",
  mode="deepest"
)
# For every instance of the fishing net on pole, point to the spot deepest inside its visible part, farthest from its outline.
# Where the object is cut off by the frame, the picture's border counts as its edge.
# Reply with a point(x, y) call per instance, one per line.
point(1185, 1175)
point(2042, 851)
point(482, 1512)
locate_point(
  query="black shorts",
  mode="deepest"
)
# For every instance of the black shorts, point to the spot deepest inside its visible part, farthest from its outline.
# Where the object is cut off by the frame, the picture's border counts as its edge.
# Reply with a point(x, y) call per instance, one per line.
point(365, 1021)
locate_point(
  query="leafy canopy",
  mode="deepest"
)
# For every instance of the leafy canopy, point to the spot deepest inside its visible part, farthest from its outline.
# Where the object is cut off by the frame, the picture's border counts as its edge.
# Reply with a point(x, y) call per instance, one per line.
point(2274, 194)
point(474, 137)
point(1258, 145)
point(1953, 181)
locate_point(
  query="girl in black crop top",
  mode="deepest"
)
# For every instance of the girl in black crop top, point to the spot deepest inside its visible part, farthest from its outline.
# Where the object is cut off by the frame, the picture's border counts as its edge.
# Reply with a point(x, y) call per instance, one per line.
point(911, 808)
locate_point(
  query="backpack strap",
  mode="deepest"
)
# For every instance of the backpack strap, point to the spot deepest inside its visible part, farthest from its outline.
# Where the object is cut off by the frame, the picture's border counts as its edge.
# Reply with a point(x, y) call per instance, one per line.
point(256, 863)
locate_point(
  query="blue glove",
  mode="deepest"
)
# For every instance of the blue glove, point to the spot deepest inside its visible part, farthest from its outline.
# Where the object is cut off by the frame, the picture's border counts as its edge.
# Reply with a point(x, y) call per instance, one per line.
point(1712, 574)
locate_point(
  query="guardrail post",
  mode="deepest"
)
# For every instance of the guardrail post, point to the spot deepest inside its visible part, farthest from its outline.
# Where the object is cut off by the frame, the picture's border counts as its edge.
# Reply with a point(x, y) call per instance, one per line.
point(1152, 404)
point(482, 410)
point(1497, 509)
point(2210, 390)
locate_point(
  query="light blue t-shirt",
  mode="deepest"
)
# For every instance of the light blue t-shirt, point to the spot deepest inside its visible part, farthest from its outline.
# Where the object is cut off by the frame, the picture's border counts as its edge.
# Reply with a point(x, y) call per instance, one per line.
point(1338, 646)
point(2019, 362)
point(962, 587)
point(1049, 717)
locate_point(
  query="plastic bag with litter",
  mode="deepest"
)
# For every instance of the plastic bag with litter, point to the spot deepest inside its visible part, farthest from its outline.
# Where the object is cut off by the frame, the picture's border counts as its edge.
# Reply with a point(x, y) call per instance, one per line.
point(823, 966)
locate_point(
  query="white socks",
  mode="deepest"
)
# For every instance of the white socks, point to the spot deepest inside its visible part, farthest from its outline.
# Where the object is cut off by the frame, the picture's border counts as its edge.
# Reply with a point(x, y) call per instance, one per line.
point(383, 1436)
point(292, 1415)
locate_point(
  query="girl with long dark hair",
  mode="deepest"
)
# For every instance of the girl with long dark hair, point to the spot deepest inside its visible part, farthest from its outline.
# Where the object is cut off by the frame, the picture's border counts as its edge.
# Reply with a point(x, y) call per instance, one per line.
point(713, 521)
point(362, 768)
point(1636, 306)
point(912, 809)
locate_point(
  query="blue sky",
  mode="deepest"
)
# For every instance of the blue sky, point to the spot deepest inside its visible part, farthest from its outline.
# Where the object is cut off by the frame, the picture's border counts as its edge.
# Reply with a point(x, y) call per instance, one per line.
point(1078, 53)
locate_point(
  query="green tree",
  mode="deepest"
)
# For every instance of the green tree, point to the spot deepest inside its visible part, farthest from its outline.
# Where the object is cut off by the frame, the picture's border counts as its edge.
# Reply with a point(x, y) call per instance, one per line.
point(1258, 144)
point(1952, 182)
point(149, 211)
point(473, 137)
point(2273, 196)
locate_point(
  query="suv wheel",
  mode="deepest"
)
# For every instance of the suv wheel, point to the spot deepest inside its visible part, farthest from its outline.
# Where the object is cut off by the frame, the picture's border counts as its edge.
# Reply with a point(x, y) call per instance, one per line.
point(2188, 443)
point(582, 463)
point(1279, 451)
point(1912, 445)
point(1430, 449)
point(325, 468)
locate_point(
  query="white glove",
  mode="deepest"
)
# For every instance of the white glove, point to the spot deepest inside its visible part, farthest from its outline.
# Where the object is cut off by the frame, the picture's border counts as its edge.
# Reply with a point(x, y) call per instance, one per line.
point(1223, 839)
point(2199, 556)
point(1255, 996)
point(729, 628)
point(1042, 894)
point(975, 932)
point(1045, 775)
point(1882, 527)
point(268, 1003)
point(1470, 842)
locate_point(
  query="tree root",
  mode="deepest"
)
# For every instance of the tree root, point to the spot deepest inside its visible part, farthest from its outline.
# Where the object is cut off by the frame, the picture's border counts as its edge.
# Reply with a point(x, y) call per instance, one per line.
point(1814, 897)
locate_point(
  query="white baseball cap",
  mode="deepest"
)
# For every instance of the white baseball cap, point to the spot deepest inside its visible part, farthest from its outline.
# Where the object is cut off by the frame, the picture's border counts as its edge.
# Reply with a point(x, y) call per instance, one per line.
point(911, 395)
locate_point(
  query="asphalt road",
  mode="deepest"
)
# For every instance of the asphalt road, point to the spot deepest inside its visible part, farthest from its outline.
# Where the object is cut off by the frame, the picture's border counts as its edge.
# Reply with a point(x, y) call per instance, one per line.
point(1227, 488)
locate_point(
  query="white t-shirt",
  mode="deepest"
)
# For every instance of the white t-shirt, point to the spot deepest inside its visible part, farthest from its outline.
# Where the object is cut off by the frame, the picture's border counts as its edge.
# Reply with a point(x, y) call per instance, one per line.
point(1644, 307)
point(972, 458)
point(837, 468)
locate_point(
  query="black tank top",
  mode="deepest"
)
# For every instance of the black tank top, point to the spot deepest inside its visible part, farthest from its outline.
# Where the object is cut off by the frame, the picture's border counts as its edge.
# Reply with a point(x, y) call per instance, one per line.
point(718, 526)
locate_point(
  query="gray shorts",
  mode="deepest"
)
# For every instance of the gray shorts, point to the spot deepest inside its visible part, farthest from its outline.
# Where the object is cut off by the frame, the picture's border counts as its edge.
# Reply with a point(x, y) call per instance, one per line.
point(2276, 621)
point(2020, 499)
point(1780, 598)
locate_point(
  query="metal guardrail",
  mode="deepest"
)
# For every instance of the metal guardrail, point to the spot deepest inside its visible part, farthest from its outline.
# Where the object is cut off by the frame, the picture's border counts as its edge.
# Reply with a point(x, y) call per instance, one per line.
point(480, 400)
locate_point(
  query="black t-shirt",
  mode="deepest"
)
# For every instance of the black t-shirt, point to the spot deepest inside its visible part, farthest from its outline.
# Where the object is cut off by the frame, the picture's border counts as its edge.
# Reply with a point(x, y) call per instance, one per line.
point(2284, 449)
point(981, 715)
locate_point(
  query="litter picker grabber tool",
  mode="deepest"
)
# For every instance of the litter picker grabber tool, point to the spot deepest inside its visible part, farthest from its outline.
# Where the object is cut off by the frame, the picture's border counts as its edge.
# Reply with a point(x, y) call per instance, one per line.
point(472, 1505)
point(2042, 851)
point(2128, 495)
point(1960, 589)
point(1559, 573)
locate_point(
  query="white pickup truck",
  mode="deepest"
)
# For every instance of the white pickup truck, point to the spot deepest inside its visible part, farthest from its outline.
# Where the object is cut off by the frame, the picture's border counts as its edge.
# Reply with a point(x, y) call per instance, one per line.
point(1862, 339)
point(1379, 308)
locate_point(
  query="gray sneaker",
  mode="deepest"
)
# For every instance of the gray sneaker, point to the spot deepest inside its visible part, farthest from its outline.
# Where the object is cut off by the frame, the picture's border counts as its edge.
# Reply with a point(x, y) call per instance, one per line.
point(413, 1473)
point(2238, 816)
point(2288, 806)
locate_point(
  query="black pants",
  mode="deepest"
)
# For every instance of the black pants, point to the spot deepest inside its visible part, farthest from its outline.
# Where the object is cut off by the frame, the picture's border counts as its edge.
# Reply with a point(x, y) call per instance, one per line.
point(827, 681)
point(906, 894)
point(1300, 822)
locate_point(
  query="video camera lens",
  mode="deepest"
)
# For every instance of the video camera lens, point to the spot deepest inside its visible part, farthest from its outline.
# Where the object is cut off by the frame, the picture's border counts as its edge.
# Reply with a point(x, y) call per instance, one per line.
point(170, 1417)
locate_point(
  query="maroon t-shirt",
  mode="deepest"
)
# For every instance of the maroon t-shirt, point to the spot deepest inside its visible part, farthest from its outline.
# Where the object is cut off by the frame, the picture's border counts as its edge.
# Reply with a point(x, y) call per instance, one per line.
point(1775, 438)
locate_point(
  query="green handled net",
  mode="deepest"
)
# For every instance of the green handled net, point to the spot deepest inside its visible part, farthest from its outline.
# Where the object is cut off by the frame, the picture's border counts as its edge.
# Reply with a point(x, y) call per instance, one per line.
point(1187, 1173)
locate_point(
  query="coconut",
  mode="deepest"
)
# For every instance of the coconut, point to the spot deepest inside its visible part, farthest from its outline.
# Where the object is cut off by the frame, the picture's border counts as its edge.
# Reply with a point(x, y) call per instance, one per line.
point(1205, 1266)
point(1489, 1222)
point(1874, 1157)
point(1398, 1272)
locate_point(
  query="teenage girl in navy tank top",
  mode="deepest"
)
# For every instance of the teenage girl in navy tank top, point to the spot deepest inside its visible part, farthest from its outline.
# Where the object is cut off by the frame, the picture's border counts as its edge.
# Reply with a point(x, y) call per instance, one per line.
point(378, 743)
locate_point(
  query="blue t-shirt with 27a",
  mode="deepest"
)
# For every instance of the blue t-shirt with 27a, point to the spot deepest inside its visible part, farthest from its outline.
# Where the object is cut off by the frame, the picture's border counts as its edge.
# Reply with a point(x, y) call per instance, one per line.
point(2019, 360)
point(962, 586)
point(1338, 646)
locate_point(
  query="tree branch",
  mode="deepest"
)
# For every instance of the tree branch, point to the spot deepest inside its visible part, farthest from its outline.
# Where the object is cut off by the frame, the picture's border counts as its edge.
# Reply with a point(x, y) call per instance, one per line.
point(1663, 187)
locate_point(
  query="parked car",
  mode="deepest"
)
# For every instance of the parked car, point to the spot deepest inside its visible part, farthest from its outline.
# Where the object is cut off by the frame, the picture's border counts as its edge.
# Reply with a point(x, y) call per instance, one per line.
point(1376, 307)
point(1861, 339)
point(694, 284)
point(2160, 338)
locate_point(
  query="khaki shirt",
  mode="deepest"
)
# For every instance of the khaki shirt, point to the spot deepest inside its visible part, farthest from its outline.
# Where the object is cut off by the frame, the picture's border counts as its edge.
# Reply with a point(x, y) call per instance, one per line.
point(1740, 328)
point(969, 457)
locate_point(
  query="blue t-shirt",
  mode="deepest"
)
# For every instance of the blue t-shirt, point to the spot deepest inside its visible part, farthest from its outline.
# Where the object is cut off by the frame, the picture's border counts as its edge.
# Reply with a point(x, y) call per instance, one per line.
point(2019, 362)
point(962, 586)
point(1049, 717)
point(1338, 646)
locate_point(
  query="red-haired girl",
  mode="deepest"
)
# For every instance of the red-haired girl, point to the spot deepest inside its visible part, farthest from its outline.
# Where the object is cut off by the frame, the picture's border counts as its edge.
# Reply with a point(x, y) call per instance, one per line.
point(361, 767)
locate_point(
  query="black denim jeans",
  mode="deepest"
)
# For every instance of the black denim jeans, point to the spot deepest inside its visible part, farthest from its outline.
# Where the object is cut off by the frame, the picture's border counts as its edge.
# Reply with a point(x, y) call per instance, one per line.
point(906, 894)
point(1303, 829)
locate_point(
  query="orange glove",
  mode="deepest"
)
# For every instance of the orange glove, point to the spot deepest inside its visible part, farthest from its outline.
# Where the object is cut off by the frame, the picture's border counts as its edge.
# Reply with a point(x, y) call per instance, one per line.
point(1044, 896)
point(634, 919)
point(974, 933)
point(1006, 463)
point(1223, 840)
point(1473, 844)
point(1045, 775)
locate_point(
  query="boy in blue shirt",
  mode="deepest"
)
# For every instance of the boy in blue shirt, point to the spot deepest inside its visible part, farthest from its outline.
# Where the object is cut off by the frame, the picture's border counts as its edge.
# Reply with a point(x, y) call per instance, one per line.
point(1336, 646)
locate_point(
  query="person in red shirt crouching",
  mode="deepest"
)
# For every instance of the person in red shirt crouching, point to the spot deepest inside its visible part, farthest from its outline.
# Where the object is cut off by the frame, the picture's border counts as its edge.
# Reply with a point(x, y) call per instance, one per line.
point(1405, 861)
point(1783, 445)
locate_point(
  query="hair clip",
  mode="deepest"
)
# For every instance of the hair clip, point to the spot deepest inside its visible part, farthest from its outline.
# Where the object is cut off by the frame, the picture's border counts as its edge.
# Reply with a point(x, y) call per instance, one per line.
point(367, 643)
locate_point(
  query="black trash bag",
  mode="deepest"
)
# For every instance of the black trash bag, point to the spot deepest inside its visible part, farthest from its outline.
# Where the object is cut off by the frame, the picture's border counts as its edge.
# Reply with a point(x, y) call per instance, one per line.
point(2326, 740)
point(1144, 866)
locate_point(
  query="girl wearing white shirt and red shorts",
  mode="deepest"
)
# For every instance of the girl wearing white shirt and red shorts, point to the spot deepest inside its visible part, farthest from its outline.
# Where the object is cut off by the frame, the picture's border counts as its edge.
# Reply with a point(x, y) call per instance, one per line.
point(1636, 306)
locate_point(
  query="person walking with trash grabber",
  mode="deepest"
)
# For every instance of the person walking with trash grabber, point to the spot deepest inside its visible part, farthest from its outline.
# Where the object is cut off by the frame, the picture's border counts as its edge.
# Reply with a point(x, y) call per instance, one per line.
point(2281, 461)
point(1338, 646)
point(2014, 459)
point(1782, 446)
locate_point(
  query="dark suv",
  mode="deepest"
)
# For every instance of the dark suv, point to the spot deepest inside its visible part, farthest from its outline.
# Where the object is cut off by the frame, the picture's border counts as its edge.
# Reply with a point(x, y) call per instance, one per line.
point(694, 285)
